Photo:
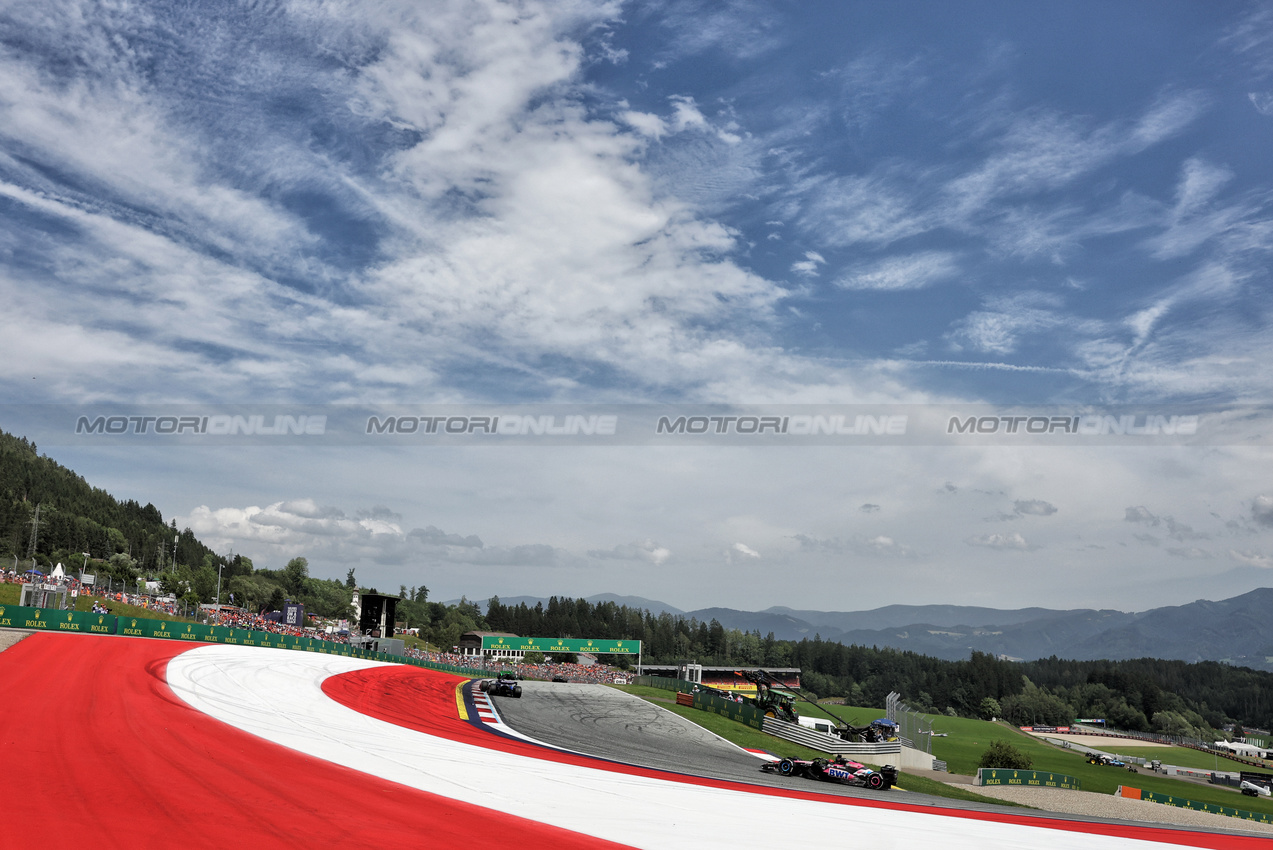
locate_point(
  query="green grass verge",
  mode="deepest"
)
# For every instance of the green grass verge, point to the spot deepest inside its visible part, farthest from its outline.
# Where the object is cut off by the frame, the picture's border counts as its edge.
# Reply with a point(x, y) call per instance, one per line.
point(968, 739)
point(1179, 756)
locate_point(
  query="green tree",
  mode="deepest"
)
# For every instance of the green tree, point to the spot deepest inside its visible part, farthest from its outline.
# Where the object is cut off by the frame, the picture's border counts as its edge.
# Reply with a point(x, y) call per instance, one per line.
point(294, 575)
point(989, 708)
point(1003, 754)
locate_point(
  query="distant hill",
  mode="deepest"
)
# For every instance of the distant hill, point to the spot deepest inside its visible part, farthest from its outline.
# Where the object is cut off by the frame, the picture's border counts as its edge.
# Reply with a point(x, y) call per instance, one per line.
point(1236, 631)
point(892, 616)
point(76, 517)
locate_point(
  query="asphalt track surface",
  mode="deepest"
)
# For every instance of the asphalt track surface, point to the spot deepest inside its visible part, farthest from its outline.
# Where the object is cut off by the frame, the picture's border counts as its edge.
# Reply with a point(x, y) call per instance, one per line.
point(117, 742)
point(613, 725)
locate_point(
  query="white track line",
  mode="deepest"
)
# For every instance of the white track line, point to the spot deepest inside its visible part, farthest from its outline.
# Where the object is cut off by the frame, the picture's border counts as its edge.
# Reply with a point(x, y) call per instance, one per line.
point(276, 694)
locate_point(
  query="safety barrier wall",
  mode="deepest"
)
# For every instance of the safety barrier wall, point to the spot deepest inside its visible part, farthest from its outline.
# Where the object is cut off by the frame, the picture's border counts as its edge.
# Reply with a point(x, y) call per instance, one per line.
point(1182, 803)
point(86, 622)
point(54, 620)
point(831, 744)
point(666, 683)
point(740, 712)
point(1035, 778)
point(704, 700)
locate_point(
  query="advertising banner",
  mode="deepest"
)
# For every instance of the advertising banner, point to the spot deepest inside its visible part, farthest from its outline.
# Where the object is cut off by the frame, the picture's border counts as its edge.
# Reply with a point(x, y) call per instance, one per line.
point(550, 645)
point(294, 614)
point(1183, 803)
point(1036, 778)
point(86, 622)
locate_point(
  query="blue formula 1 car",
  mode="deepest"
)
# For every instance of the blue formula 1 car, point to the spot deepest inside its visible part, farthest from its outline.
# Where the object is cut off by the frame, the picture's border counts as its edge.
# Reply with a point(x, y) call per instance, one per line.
point(504, 686)
point(835, 769)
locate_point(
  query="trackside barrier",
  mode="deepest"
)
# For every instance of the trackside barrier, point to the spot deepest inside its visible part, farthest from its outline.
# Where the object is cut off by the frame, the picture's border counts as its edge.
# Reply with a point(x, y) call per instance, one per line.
point(86, 622)
point(739, 712)
point(1034, 778)
point(1194, 805)
point(51, 619)
point(832, 744)
point(704, 700)
point(666, 683)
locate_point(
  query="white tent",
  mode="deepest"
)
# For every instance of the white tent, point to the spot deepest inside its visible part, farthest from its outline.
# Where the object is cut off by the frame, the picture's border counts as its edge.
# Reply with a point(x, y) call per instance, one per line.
point(1239, 749)
point(58, 572)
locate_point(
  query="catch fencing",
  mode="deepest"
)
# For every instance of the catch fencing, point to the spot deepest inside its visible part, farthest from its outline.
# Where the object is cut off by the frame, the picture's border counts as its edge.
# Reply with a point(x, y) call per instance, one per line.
point(913, 728)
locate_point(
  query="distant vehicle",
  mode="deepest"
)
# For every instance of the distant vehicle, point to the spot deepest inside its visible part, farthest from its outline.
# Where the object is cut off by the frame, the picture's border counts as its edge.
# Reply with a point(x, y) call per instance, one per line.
point(818, 724)
point(1094, 758)
point(560, 679)
point(1254, 789)
point(836, 769)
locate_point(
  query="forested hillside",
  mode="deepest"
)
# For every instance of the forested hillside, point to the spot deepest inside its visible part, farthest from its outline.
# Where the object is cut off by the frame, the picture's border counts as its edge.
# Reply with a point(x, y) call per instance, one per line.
point(76, 517)
point(1145, 695)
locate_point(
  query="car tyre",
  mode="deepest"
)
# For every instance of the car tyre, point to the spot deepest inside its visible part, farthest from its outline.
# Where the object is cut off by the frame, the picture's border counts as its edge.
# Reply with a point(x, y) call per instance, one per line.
point(786, 767)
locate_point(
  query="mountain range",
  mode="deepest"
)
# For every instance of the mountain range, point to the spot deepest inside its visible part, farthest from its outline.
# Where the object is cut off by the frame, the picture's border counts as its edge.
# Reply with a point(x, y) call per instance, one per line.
point(1236, 631)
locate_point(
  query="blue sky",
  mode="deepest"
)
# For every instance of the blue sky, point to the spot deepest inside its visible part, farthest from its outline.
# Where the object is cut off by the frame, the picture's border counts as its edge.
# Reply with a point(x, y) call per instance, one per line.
point(585, 202)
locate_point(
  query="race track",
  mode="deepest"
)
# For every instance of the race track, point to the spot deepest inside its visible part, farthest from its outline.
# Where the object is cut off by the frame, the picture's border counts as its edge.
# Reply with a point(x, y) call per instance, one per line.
point(118, 742)
point(610, 724)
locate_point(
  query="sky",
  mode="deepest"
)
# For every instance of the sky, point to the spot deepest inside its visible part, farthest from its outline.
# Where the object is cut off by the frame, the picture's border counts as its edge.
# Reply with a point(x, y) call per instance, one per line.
point(446, 206)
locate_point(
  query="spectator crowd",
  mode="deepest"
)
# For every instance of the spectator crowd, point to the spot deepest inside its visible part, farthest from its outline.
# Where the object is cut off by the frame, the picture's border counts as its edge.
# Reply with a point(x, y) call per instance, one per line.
point(237, 618)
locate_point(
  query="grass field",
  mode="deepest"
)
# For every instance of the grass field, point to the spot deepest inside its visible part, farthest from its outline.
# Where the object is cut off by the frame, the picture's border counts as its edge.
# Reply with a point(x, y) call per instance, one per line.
point(1179, 756)
point(967, 739)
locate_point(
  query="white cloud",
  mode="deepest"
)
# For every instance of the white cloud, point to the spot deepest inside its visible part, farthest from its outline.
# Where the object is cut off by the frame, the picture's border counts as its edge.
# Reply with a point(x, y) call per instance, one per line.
point(644, 123)
point(1255, 559)
point(999, 329)
point(647, 551)
point(897, 273)
point(880, 544)
point(808, 267)
point(740, 551)
point(1012, 541)
point(1044, 150)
